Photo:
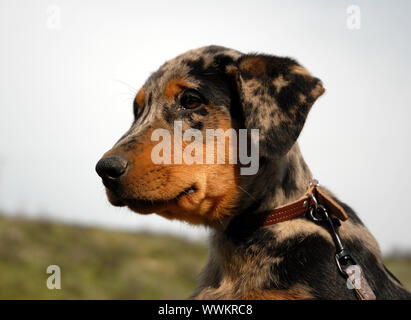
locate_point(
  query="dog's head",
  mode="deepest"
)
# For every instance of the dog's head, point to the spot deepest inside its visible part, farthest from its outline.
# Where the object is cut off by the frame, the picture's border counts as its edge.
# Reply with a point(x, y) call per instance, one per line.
point(207, 88)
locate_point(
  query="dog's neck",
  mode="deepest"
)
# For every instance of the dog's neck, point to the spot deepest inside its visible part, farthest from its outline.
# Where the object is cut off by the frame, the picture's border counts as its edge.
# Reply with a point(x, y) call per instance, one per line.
point(277, 183)
point(293, 177)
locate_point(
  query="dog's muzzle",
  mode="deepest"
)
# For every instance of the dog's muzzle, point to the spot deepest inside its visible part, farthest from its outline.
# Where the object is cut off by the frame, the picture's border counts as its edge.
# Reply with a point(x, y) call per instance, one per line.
point(111, 168)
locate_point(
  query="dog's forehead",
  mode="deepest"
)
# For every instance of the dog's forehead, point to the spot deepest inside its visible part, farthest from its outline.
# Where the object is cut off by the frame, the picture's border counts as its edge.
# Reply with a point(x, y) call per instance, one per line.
point(186, 65)
point(162, 86)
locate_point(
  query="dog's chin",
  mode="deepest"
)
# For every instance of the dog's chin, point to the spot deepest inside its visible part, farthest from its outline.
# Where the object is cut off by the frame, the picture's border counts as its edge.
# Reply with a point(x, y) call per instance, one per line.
point(146, 206)
point(114, 199)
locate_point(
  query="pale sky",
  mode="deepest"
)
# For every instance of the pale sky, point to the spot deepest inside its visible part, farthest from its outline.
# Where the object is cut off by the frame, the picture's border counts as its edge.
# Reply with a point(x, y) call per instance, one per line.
point(69, 71)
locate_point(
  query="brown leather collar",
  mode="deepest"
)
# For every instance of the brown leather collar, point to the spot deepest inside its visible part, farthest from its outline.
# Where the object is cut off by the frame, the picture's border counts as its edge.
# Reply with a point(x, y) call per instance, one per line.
point(300, 206)
point(315, 198)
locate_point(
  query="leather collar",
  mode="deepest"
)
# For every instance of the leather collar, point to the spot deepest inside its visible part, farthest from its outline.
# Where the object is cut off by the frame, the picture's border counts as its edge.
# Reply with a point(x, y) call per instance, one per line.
point(299, 207)
point(315, 199)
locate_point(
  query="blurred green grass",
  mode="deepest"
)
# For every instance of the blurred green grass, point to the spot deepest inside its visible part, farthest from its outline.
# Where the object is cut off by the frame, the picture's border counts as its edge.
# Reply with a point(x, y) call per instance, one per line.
point(400, 267)
point(103, 264)
point(95, 263)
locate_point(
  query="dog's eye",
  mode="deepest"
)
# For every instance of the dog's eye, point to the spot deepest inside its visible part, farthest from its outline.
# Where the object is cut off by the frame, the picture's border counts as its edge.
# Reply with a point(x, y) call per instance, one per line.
point(191, 100)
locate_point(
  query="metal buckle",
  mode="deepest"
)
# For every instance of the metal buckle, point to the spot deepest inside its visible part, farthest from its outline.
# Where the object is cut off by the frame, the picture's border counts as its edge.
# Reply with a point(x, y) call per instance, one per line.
point(314, 200)
point(314, 183)
point(315, 209)
point(343, 258)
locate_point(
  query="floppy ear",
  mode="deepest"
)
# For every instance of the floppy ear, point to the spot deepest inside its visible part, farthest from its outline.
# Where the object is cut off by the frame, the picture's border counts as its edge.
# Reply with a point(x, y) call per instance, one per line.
point(276, 95)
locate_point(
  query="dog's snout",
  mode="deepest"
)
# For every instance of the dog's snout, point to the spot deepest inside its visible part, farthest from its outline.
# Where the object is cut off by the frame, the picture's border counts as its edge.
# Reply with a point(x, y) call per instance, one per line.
point(111, 167)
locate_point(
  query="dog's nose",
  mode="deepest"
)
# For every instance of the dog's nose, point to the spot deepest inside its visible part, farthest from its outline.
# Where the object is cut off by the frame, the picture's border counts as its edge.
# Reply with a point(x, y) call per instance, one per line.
point(111, 167)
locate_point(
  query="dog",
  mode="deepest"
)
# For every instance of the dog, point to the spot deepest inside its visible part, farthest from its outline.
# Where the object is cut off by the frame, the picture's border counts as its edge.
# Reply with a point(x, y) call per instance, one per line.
point(215, 87)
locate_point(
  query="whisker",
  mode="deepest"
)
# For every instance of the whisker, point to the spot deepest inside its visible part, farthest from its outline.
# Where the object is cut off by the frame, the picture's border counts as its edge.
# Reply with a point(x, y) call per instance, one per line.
point(247, 193)
point(134, 90)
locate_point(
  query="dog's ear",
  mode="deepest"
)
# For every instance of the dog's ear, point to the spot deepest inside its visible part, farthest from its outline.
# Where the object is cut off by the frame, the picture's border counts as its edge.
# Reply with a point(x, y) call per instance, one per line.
point(276, 95)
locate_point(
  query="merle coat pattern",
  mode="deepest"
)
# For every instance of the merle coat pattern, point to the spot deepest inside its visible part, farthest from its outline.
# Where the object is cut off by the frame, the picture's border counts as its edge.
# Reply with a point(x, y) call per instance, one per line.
point(217, 87)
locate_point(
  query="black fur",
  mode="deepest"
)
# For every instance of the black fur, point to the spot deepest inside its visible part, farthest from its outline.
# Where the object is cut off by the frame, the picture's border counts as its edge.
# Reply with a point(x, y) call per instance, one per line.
point(274, 95)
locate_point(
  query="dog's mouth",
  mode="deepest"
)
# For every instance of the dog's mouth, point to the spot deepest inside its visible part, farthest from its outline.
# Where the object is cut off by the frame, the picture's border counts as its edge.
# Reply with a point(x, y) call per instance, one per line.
point(188, 191)
point(147, 204)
